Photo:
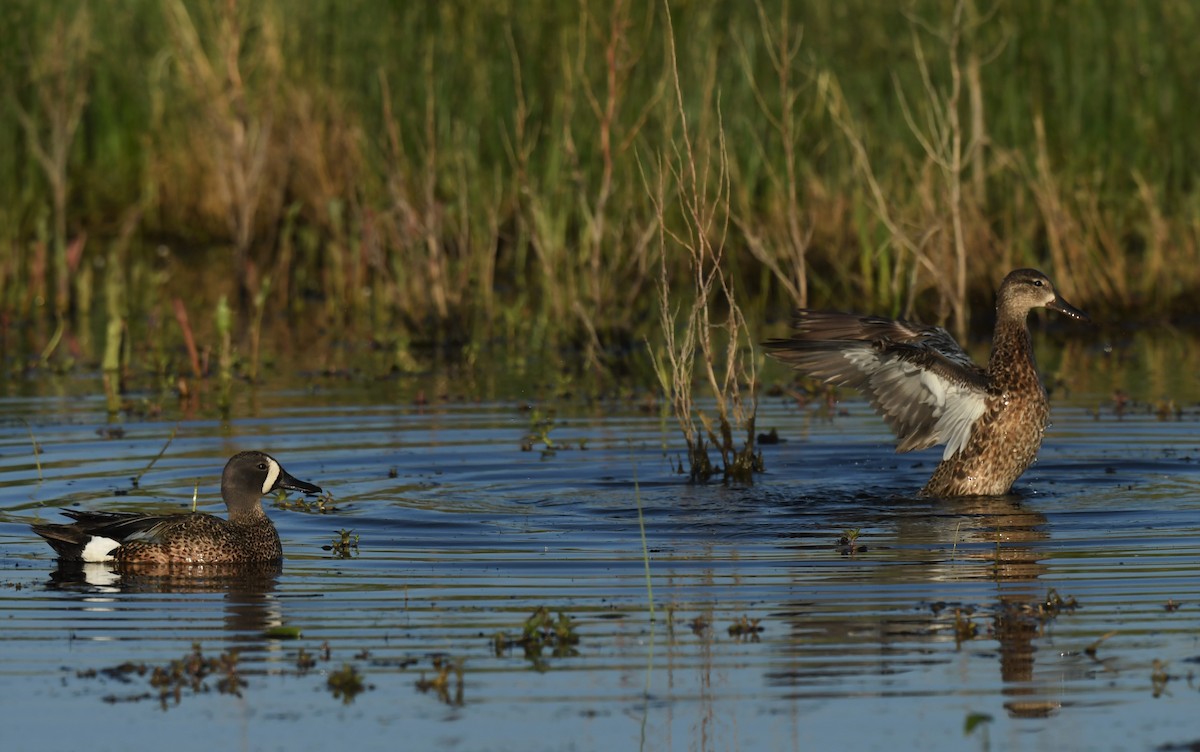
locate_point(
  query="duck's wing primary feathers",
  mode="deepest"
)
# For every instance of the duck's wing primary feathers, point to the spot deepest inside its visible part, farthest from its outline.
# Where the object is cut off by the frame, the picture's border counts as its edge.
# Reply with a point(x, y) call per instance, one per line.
point(926, 387)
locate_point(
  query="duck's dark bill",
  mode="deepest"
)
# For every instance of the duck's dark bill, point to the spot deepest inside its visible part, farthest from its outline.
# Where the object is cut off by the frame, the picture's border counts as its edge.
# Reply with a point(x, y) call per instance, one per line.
point(292, 484)
point(1062, 306)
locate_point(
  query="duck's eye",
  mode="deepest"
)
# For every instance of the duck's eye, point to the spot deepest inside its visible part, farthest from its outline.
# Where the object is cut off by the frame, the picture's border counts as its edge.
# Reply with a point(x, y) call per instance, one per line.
point(1037, 283)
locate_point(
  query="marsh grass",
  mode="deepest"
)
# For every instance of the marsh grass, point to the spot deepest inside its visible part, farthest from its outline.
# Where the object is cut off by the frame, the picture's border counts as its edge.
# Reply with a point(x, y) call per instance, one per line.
point(713, 334)
point(452, 177)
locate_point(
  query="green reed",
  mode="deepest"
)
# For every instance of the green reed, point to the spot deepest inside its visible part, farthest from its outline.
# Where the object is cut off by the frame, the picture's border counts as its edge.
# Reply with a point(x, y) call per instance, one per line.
point(461, 172)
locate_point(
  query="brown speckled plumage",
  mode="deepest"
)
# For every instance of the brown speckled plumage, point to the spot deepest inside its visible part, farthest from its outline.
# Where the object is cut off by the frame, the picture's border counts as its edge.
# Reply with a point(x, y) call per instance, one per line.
point(128, 538)
point(204, 539)
point(930, 392)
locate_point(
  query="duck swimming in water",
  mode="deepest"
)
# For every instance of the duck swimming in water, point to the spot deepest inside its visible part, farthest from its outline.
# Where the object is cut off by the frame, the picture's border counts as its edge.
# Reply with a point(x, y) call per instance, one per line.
point(930, 391)
point(124, 537)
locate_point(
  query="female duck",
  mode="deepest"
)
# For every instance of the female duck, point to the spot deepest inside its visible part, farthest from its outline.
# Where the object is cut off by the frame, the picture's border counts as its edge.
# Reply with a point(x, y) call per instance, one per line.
point(930, 392)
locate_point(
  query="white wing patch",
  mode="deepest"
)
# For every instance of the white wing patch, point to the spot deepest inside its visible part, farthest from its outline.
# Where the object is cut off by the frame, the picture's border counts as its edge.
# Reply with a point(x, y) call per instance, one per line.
point(99, 549)
point(962, 408)
point(272, 476)
point(922, 407)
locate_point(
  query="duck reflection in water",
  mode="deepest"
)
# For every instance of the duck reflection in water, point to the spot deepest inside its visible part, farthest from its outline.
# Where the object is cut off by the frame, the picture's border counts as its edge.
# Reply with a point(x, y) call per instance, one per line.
point(938, 547)
point(251, 607)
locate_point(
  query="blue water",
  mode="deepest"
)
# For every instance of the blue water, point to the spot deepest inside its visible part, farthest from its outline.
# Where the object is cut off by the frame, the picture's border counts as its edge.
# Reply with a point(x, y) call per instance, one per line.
point(463, 532)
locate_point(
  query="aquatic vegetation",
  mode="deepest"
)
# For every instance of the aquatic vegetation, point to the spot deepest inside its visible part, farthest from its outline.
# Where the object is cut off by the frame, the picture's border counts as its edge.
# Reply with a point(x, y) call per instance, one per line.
point(1054, 604)
point(976, 721)
point(345, 544)
point(848, 541)
point(964, 627)
point(187, 675)
point(323, 503)
point(744, 628)
point(1159, 678)
point(538, 632)
point(539, 433)
point(306, 660)
point(346, 683)
point(441, 684)
point(1093, 648)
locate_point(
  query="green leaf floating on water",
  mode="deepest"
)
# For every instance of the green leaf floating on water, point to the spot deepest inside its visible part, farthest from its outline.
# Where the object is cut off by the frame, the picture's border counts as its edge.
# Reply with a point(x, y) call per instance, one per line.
point(282, 633)
point(974, 720)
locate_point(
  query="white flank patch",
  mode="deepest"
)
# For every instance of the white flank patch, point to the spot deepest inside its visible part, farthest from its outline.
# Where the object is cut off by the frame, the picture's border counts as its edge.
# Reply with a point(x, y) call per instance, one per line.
point(272, 476)
point(99, 549)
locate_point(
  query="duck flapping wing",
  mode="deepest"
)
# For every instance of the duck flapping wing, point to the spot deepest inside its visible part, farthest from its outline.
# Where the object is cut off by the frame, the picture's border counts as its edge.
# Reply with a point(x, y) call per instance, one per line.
point(926, 387)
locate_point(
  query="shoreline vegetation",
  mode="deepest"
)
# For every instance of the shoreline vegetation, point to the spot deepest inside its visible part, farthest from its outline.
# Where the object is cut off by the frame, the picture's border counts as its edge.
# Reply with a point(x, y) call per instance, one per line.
point(186, 182)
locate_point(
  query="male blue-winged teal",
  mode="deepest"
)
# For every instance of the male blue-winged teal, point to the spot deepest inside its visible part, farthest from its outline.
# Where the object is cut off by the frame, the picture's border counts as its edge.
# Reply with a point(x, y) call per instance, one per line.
point(247, 536)
point(930, 392)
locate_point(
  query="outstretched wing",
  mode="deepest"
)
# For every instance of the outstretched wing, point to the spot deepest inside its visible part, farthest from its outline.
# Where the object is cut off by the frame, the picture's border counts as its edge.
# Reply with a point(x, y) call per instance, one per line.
point(926, 387)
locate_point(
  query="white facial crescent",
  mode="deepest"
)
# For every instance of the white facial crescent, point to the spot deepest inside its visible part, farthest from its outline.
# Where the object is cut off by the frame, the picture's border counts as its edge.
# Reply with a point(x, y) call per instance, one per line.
point(273, 471)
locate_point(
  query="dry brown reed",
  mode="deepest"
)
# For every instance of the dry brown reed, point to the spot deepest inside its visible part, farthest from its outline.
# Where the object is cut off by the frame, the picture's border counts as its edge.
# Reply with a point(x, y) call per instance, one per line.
point(714, 335)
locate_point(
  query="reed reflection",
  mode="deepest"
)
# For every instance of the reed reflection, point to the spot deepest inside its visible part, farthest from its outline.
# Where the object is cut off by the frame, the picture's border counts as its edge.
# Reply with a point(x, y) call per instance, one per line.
point(853, 627)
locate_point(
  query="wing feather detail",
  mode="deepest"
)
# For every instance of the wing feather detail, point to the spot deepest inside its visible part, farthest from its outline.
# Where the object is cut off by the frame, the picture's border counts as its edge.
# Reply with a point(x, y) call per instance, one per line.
point(927, 388)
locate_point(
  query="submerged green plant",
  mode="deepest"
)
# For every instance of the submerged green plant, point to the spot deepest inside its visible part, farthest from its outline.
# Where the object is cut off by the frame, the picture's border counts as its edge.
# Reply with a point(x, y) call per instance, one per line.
point(321, 504)
point(976, 720)
point(964, 627)
point(745, 628)
point(848, 542)
point(539, 432)
point(187, 674)
point(345, 544)
point(346, 683)
point(440, 683)
point(538, 632)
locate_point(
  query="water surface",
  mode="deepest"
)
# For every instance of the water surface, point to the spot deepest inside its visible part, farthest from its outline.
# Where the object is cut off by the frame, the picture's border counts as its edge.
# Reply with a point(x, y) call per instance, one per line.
point(1066, 616)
